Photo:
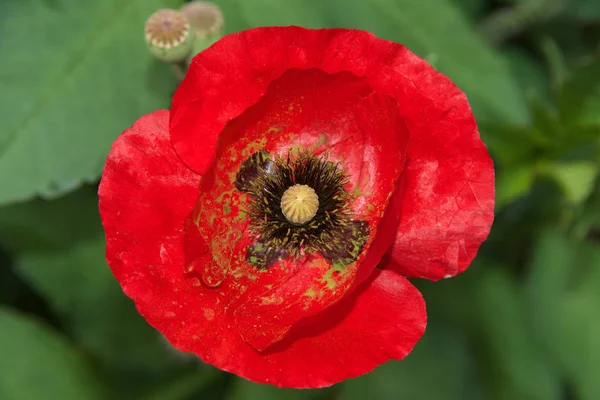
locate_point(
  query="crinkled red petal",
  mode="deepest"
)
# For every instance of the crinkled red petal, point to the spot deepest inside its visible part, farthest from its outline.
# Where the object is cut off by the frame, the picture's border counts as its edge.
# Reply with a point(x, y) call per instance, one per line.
point(382, 320)
point(447, 209)
point(145, 195)
point(336, 114)
point(224, 80)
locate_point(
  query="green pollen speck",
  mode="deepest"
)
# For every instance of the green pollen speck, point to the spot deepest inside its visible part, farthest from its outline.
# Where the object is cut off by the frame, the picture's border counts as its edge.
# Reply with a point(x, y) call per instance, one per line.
point(329, 279)
point(241, 216)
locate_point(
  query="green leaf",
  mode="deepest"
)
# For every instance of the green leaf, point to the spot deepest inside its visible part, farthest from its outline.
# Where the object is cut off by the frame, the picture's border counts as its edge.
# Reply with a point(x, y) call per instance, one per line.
point(192, 385)
point(449, 302)
point(587, 220)
point(528, 72)
point(37, 363)
point(74, 75)
point(440, 367)
point(513, 183)
point(564, 302)
point(46, 225)
point(575, 178)
point(242, 389)
point(58, 248)
point(585, 10)
point(463, 55)
point(510, 145)
point(520, 368)
point(240, 15)
point(9, 284)
point(81, 289)
point(554, 59)
point(484, 306)
point(471, 8)
point(579, 98)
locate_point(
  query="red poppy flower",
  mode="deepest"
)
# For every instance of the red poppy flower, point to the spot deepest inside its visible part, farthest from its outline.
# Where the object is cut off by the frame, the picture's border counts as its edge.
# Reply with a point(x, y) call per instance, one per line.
point(268, 222)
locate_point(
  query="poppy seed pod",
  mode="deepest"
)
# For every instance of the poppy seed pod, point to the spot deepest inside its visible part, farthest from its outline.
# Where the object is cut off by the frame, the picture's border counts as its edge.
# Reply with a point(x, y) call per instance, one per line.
point(169, 36)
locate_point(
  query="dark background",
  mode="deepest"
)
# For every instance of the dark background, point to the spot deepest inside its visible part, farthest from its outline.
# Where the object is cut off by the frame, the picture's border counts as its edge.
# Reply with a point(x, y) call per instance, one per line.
point(522, 323)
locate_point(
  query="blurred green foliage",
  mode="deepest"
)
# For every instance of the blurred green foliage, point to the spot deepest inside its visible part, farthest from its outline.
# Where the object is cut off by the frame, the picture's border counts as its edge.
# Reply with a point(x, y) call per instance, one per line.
point(522, 323)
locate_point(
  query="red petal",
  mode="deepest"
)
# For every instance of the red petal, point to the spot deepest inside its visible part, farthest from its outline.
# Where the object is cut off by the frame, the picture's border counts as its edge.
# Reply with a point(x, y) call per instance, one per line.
point(302, 109)
point(145, 194)
point(380, 321)
point(448, 207)
point(224, 80)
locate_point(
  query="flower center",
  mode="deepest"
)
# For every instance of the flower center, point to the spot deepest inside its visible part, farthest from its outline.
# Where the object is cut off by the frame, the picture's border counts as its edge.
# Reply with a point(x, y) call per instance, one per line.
point(299, 204)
